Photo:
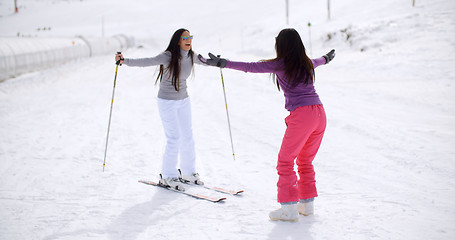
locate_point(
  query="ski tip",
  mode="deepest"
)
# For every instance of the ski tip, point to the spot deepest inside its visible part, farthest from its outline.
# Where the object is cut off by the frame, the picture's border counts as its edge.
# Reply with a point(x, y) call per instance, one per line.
point(238, 192)
point(218, 200)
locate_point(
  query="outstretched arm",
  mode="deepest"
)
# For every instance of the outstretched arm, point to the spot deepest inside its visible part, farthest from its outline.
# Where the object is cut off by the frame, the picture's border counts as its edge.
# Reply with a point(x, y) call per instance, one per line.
point(162, 58)
point(253, 67)
point(324, 59)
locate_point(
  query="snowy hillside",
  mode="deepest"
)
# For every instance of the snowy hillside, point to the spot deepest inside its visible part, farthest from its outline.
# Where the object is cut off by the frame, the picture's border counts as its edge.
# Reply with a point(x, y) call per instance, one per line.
point(385, 169)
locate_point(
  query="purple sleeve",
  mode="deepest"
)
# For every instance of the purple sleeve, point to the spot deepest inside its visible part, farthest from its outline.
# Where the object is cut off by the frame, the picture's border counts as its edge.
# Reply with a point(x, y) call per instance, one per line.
point(318, 62)
point(253, 67)
point(265, 66)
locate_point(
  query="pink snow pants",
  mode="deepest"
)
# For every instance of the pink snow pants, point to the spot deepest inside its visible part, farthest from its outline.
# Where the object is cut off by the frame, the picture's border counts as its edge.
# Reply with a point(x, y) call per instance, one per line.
point(301, 141)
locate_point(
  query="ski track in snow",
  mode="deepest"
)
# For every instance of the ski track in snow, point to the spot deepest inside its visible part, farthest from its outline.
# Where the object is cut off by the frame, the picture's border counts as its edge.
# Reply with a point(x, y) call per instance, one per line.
point(384, 170)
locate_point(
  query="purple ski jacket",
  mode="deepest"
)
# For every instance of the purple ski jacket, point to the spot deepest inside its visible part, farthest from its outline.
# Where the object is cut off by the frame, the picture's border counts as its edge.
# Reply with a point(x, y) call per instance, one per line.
point(299, 96)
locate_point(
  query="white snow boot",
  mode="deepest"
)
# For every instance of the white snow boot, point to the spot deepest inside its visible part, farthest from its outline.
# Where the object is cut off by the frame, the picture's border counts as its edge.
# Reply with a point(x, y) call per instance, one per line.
point(306, 208)
point(287, 212)
point(193, 178)
point(172, 183)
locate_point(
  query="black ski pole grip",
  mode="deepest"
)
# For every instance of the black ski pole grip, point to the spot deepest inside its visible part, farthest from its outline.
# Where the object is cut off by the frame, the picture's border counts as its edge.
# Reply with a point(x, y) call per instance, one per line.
point(118, 62)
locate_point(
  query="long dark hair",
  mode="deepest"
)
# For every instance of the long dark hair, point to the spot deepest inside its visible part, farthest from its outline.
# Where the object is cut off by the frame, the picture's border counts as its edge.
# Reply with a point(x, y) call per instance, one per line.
point(298, 67)
point(174, 65)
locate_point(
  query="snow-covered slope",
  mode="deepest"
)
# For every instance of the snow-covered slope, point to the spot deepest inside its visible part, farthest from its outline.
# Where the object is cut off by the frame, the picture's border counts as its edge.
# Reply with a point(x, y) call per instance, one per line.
point(384, 171)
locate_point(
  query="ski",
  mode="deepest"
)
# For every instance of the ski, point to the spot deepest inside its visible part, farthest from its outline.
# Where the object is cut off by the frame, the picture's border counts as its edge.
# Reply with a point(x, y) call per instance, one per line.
point(195, 195)
point(222, 190)
point(217, 189)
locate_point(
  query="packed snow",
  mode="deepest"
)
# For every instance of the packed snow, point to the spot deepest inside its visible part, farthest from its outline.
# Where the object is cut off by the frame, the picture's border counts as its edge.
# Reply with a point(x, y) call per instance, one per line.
point(385, 169)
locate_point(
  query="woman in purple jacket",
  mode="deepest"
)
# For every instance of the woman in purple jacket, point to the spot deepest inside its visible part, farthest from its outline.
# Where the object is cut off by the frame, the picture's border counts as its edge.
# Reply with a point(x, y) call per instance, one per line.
point(293, 71)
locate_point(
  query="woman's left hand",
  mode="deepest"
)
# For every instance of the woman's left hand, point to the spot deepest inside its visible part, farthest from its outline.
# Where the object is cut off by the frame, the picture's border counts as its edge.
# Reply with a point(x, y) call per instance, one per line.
point(329, 56)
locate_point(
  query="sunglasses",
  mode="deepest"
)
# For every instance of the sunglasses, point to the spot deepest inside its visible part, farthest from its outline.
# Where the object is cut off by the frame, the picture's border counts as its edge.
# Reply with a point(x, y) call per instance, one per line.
point(189, 37)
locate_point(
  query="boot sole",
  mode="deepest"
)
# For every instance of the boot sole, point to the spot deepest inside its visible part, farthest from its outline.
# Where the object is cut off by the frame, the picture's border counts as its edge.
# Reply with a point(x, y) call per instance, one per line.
point(284, 220)
point(308, 214)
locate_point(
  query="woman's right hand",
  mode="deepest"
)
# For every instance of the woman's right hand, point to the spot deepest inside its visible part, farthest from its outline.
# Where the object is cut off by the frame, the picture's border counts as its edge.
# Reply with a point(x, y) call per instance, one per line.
point(213, 60)
point(119, 59)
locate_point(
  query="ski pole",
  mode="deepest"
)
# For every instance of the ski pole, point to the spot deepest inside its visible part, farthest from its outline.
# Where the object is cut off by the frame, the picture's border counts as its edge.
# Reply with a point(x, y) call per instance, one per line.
point(110, 113)
point(309, 36)
point(227, 112)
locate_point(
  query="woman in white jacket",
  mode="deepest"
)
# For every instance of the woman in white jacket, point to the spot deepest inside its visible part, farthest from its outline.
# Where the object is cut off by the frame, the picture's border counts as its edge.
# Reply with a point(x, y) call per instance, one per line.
point(176, 65)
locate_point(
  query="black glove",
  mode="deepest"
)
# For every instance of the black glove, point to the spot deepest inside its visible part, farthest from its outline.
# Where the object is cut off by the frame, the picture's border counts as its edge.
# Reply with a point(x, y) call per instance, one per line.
point(119, 58)
point(329, 56)
point(213, 61)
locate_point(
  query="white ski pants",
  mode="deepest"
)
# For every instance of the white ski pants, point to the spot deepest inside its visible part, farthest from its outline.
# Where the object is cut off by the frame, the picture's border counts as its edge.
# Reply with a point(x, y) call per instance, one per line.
point(176, 118)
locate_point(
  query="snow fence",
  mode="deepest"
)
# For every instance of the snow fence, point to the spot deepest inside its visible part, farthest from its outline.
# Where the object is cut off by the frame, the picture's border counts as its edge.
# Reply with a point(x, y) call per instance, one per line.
point(20, 55)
